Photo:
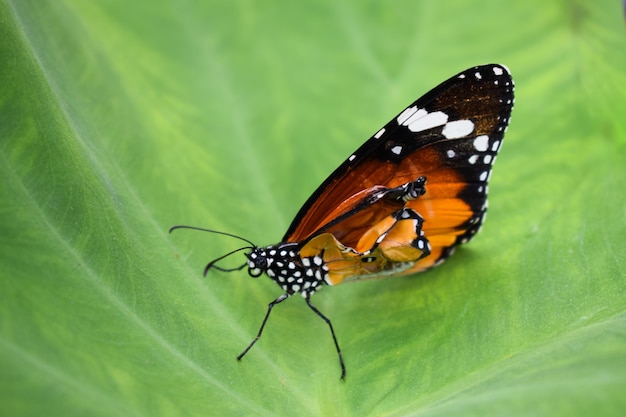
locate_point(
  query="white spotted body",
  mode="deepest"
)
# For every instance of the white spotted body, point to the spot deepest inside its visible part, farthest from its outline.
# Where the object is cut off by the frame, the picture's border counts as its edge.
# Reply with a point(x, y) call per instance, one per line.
point(283, 264)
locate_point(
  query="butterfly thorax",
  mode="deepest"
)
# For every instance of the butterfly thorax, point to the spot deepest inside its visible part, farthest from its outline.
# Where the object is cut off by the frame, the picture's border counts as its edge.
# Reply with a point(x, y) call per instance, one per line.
point(283, 264)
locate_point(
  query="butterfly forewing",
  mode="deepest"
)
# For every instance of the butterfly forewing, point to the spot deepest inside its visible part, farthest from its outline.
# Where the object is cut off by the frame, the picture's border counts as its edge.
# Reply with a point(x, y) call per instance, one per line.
point(451, 135)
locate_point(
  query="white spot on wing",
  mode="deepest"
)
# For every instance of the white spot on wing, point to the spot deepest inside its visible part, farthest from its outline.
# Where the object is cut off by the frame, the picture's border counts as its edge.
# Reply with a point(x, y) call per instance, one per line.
point(481, 143)
point(351, 158)
point(458, 129)
point(422, 120)
point(406, 114)
point(397, 149)
point(450, 153)
point(382, 131)
point(497, 71)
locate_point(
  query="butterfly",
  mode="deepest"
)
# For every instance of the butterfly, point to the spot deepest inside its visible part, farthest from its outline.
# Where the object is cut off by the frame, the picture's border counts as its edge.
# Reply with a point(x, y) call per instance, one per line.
point(401, 203)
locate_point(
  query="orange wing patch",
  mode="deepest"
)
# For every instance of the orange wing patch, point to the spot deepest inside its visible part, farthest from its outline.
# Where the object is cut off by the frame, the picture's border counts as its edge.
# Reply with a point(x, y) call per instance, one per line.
point(389, 247)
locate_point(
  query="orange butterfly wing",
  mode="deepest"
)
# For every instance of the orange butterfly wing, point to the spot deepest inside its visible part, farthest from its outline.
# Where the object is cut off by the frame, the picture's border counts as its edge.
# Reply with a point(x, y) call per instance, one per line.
point(451, 136)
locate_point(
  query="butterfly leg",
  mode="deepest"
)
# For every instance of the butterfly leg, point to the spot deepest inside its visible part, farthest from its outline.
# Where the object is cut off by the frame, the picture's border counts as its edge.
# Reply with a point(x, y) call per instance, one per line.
point(332, 332)
point(267, 315)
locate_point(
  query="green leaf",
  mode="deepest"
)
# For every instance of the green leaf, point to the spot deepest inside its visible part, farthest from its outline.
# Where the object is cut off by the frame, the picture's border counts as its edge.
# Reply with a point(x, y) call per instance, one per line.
point(120, 119)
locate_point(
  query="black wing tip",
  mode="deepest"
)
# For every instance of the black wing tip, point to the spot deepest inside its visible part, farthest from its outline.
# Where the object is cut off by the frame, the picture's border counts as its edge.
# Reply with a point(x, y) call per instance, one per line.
point(504, 67)
point(486, 72)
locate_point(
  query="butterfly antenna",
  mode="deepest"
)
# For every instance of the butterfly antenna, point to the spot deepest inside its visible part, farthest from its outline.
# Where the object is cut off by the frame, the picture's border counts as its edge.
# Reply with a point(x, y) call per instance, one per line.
point(217, 232)
point(214, 261)
point(219, 268)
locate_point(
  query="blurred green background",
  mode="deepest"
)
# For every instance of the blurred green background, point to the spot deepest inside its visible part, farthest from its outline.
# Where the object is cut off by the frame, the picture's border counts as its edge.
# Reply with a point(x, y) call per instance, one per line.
point(119, 119)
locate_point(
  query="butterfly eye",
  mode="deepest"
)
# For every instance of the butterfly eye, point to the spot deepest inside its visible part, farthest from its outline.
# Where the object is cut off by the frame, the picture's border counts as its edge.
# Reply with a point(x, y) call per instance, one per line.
point(257, 263)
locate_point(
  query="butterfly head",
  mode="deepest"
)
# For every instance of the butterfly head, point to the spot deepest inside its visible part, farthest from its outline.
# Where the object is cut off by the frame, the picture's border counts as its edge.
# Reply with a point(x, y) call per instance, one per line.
point(257, 261)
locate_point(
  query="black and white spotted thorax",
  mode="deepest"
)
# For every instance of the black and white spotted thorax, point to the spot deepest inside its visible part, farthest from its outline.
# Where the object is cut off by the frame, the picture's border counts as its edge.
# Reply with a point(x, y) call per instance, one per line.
point(292, 273)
